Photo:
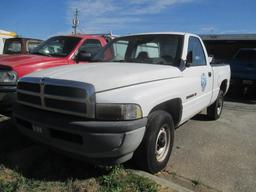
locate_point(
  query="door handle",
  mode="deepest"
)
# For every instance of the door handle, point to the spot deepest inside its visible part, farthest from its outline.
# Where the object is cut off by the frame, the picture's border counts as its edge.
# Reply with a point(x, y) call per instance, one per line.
point(209, 74)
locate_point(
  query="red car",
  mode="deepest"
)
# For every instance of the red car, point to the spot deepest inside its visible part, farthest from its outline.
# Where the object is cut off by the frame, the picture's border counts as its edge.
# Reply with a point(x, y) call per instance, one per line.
point(56, 51)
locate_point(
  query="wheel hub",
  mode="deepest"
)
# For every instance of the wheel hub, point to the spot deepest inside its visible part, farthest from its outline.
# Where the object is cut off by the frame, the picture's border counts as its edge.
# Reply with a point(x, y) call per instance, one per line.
point(162, 143)
point(219, 106)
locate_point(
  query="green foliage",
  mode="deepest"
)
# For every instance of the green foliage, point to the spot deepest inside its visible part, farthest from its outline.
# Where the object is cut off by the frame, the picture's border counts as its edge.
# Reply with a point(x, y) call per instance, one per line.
point(120, 180)
point(195, 182)
point(9, 180)
point(117, 180)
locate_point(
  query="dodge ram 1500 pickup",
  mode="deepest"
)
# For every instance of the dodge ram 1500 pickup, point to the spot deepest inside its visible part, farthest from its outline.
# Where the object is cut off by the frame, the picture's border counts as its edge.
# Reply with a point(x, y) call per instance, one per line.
point(126, 105)
point(56, 51)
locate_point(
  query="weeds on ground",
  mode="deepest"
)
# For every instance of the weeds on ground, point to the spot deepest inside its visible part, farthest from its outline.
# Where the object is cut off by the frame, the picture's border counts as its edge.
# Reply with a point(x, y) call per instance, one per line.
point(121, 180)
point(116, 180)
point(195, 182)
point(11, 181)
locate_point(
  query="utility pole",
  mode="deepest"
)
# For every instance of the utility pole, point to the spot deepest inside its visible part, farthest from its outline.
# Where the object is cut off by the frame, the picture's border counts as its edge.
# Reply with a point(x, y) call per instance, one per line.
point(75, 22)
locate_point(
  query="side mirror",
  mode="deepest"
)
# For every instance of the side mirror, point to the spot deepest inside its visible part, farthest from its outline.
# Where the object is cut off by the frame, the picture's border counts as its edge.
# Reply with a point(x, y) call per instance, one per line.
point(189, 60)
point(211, 59)
point(83, 56)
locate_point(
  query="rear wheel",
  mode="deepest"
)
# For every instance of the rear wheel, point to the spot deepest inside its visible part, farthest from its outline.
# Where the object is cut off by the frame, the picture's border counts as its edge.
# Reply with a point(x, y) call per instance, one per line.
point(214, 111)
point(155, 149)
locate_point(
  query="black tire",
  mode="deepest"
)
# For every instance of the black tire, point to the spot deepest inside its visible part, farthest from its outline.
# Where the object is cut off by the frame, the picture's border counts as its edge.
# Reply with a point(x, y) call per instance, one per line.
point(214, 111)
point(154, 152)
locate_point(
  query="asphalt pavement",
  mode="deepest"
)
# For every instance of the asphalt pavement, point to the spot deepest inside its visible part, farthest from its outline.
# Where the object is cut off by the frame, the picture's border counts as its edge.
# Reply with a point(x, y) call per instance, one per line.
point(220, 154)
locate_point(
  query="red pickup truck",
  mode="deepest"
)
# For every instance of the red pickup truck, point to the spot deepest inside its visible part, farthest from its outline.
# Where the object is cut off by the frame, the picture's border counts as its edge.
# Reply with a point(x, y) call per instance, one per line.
point(56, 51)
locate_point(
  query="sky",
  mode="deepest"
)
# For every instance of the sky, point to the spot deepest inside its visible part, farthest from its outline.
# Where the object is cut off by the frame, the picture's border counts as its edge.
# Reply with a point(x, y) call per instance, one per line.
point(45, 18)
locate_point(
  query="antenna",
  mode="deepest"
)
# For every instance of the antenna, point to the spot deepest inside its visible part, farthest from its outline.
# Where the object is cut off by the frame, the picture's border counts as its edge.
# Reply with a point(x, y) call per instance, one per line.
point(75, 22)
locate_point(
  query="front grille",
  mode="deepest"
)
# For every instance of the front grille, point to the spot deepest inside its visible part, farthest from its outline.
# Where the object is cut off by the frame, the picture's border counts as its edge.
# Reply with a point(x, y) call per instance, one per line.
point(66, 105)
point(63, 96)
point(29, 87)
point(62, 91)
point(35, 100)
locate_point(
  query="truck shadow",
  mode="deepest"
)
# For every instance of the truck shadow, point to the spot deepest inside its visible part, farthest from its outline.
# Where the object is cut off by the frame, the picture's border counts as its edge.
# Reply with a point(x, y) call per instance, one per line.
point(201, 117)
point(34, 161)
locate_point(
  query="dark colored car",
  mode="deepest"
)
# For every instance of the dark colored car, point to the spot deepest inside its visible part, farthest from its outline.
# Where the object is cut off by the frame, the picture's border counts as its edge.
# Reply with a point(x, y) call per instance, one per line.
point(243, 68)
point(20, 45)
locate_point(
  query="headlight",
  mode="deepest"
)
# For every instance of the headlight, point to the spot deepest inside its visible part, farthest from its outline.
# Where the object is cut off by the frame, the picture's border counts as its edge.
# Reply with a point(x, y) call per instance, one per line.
point(8, 77)
point(118, 112)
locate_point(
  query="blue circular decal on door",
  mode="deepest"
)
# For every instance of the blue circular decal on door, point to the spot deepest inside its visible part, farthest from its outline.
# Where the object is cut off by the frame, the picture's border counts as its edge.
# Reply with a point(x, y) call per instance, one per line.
point(203, 81)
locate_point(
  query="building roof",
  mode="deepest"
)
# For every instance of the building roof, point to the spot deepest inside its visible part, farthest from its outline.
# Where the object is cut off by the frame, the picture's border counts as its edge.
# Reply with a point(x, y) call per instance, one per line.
point(7, 33)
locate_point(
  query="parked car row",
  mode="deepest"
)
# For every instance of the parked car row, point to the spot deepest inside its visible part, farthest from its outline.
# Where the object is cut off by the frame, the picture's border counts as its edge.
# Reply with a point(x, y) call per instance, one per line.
point(125, 104)
point(56, 51)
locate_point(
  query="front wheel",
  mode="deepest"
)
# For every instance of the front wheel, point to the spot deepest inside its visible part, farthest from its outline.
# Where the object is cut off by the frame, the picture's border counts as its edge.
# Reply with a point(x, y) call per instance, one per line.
point(214, 111)
point(154, 152)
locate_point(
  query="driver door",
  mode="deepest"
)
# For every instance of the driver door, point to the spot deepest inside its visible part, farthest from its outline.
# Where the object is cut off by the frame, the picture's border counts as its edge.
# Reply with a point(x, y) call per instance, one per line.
point(198, 79)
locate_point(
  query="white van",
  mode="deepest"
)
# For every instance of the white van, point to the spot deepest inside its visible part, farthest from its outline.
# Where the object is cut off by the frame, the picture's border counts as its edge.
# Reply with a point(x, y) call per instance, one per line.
point(5, 35)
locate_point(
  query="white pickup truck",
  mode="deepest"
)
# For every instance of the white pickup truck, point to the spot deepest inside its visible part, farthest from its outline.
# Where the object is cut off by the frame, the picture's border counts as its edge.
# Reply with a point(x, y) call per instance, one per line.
point(126, 104)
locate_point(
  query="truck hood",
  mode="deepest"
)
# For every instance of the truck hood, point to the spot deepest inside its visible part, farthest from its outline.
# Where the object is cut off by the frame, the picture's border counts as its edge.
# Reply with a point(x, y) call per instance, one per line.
point(105, 76)
point(22, 59)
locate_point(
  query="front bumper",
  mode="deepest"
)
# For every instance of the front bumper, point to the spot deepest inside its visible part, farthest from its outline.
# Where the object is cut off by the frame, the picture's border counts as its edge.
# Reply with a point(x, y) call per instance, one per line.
point(7, 98)
point(102, 142)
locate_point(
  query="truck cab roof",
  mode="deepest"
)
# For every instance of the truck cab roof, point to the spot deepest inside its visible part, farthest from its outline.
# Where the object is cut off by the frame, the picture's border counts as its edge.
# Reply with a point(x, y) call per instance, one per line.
point(162, 33)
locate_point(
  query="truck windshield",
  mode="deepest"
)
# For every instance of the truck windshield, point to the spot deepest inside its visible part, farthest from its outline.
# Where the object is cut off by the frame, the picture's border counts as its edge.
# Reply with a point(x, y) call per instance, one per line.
point(59, 46)
point(152, 49)
point(12, 47)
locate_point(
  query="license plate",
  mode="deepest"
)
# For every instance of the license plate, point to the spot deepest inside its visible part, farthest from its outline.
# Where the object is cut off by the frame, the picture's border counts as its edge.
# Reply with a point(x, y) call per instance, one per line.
point(248, 82)
point(37, 129)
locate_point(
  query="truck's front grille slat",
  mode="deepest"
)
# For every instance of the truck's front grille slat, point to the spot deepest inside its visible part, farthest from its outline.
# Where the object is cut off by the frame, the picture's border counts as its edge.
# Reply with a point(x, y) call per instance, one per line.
point(28, 98)
point(66, 105)
point(30, 87)
point(60, 96)
point(21, 91)
point(56, 97)
point(62, 91)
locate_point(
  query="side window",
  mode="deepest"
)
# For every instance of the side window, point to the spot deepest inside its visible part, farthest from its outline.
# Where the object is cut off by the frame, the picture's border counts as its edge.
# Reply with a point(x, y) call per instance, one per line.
point(120, 48)
point(195, 50)
point(13, 47)
point(31, 45)
point(91, 46)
